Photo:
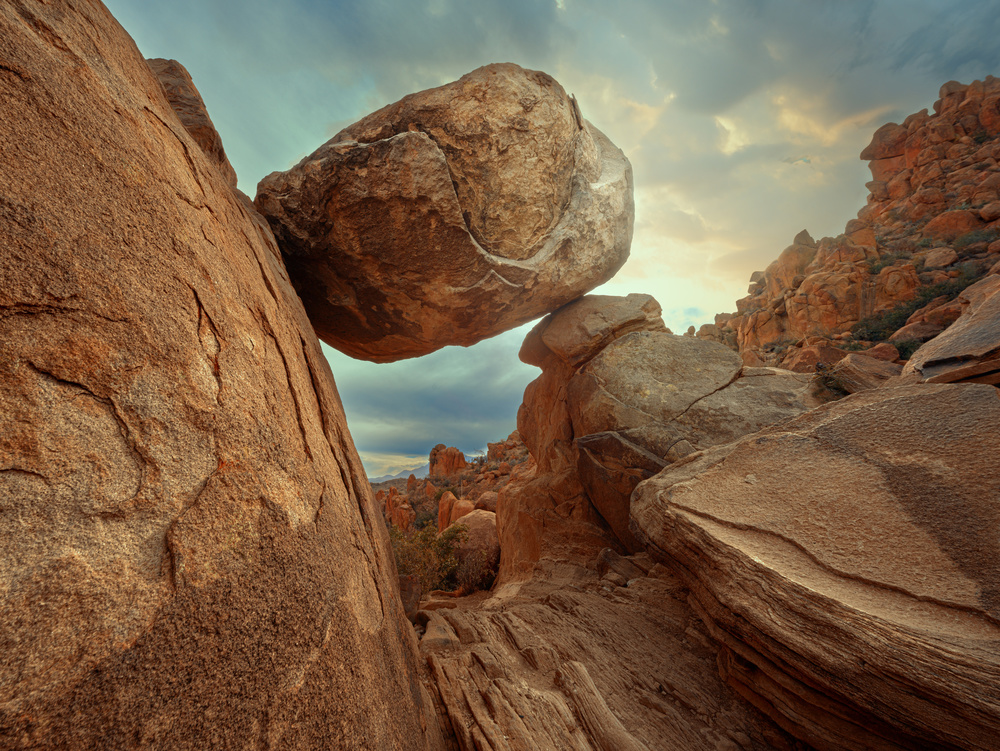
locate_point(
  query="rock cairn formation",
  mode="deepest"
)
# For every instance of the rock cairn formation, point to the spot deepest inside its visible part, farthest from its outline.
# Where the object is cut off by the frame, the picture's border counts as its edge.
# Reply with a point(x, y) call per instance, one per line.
point(932, 225)
point(847, 562)
point(190, 553)
point(452, 215)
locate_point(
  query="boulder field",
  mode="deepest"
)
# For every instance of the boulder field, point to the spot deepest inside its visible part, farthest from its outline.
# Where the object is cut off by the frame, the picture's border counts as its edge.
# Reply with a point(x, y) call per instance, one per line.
point(931, 226)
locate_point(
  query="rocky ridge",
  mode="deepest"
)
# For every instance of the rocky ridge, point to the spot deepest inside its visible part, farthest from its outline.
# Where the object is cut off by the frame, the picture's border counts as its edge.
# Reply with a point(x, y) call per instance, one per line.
point(931, 228)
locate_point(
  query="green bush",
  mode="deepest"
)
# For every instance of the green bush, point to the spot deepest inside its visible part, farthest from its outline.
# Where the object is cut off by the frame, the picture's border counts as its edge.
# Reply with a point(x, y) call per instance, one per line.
point(976, 236)
point(875, 265)
point(424, 518)
point(428, 555)
point(907, 348)
point(879, 327)
point(477, 572)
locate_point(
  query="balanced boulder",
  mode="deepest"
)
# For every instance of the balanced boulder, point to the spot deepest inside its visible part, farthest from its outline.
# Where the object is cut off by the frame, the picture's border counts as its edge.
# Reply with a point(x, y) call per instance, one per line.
point(452, 215)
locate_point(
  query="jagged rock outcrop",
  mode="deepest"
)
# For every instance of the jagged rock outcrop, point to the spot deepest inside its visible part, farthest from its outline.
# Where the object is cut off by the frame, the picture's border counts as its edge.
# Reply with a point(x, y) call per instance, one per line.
point(446, 461)
point(452, 215)
point(847, 563)
point(190, 109)
point(931, 226)
point(544, 511)
point(190, 554)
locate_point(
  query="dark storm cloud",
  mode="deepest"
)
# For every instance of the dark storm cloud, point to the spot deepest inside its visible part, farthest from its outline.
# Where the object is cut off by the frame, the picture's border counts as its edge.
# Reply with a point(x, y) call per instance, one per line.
point(459, 396)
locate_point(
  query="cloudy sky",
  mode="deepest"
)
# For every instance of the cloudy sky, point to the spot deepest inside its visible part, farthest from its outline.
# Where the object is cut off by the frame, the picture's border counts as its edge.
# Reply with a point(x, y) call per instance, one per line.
point(743, 120)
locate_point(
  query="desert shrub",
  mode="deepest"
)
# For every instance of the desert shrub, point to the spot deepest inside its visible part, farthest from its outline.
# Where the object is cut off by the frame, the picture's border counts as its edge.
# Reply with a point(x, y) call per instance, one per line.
point(426, 554)
point(875, 265)
point(852, 346)
point(879, 327)
point(980, 136)
point(424, 518)
point(442, 491)
point(924, 242)
point(907, 348)
point(976, 236)
point(477, 572)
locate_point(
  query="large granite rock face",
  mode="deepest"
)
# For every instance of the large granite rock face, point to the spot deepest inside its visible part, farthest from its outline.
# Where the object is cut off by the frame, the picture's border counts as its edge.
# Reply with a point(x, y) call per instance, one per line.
point(190, 555)
point(452, 215)
point(848, 563)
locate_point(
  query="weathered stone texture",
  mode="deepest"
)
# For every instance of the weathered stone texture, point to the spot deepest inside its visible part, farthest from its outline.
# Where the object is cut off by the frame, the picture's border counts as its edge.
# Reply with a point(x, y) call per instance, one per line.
point(847, 561)
point(190, 554)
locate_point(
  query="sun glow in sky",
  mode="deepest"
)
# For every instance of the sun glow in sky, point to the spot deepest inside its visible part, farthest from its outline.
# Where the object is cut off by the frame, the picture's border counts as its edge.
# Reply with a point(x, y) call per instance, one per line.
point(743, 122)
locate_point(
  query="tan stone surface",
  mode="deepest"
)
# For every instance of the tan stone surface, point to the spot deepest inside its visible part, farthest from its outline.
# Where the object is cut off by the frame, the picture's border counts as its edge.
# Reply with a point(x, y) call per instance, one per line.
point(446, 461)
point(859, 372)
point(460, 508)
point(187, 104)
point(445, 504)
point(452, 215)
point(651, 398)
point(571, 662)
point(847, 562)
point(190, 553)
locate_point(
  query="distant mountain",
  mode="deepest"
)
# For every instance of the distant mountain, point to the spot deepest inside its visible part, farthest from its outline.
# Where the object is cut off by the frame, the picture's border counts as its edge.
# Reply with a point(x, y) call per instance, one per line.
point(420, 472)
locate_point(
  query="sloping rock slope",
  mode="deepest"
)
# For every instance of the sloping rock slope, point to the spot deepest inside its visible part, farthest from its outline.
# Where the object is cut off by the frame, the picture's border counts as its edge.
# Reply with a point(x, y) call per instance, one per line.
point(931, 226)
point(847, 561)
point(190, 556)
point(969, 350)
point(452, 215)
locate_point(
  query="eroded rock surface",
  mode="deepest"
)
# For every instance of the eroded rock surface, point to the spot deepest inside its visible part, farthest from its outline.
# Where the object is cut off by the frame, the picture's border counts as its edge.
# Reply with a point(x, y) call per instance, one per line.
point(575, 662)
point(619, 399)
point(190, 554)
point(187, 104)
point(931, 222)
point(969, 350)
point(847, 561)
point(452, 215)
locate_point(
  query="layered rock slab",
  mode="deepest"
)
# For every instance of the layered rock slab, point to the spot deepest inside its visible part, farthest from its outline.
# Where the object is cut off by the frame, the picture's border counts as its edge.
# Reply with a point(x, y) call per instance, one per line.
point(847, 561)
point(573, 661)
point(190, 554)
point(186, 102)
point(452, 215)
point(969, 350)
